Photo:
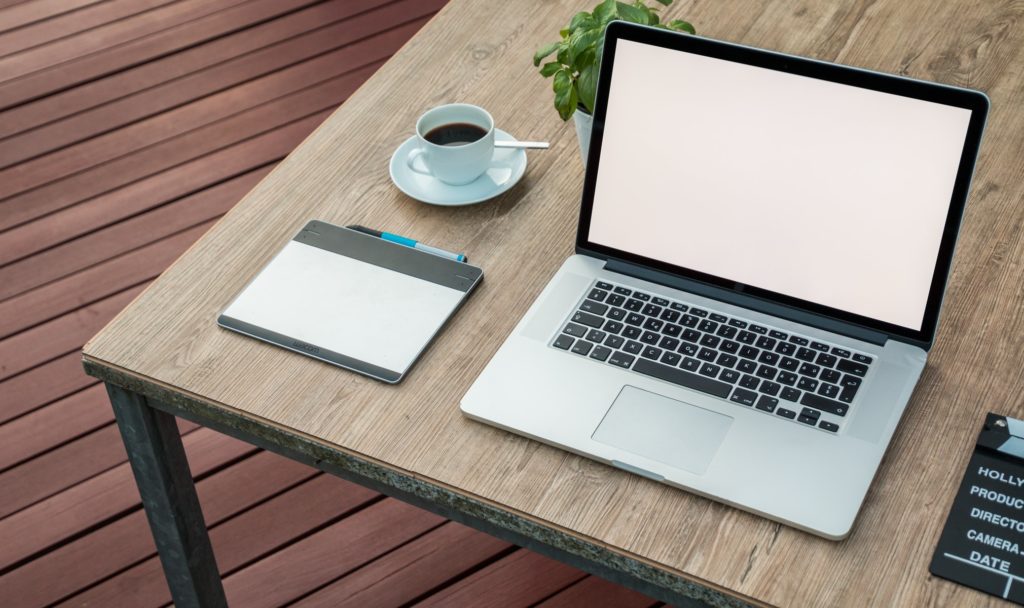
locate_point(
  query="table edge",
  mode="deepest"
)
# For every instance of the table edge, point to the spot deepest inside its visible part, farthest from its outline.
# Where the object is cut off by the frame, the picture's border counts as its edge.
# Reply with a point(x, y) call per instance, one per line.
point(476, 511)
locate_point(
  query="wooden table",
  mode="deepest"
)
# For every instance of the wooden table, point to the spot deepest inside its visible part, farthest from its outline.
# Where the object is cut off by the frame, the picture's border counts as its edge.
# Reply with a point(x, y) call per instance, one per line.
point(165, 355)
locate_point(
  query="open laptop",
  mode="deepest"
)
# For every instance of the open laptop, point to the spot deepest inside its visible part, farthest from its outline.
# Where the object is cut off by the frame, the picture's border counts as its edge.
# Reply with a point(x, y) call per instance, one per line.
point(762, 250)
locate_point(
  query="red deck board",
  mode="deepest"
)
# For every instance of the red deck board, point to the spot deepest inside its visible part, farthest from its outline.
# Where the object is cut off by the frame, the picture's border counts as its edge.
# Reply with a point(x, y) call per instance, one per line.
point(127, 127)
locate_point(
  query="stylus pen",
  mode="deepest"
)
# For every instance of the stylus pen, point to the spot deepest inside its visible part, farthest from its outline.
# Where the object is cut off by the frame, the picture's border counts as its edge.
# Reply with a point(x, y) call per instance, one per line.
point(403, 240)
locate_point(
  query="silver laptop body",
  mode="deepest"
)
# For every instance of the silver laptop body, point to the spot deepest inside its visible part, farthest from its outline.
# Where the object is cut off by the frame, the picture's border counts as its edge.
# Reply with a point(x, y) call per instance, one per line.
point(763, 247)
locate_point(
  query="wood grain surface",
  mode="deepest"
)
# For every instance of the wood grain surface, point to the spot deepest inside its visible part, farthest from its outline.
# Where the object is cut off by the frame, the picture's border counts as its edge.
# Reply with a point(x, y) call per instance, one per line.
point(480, 53)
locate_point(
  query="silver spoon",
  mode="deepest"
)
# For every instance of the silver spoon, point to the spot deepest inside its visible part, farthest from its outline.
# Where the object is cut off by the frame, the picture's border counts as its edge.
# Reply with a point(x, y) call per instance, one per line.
point(530, 145)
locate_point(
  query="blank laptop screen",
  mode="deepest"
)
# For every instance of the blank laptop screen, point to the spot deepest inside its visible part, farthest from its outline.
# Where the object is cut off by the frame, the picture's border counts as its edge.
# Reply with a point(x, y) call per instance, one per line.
point(821, 191)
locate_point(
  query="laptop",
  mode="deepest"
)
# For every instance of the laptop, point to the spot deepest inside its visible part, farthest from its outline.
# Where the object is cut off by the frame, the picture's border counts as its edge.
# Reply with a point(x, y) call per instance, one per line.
point(763, 245)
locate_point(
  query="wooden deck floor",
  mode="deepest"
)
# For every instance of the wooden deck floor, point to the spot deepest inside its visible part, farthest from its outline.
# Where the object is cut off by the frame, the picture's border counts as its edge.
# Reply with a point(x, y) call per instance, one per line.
point(127, 127)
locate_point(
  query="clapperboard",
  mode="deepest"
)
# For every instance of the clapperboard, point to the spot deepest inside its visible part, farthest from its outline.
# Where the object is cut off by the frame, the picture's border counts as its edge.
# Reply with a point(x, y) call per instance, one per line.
point(982, 545)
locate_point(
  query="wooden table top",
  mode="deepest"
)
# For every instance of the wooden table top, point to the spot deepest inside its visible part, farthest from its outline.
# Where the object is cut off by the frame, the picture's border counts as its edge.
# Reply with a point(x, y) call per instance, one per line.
point(481, 53)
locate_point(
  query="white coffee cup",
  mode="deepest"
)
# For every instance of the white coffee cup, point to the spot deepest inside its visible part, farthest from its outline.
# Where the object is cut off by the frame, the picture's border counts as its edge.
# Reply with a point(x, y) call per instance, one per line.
point(445, 155)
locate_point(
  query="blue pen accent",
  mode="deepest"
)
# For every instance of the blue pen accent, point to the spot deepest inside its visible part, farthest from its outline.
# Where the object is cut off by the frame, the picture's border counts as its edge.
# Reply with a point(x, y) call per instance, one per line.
point(406, 241)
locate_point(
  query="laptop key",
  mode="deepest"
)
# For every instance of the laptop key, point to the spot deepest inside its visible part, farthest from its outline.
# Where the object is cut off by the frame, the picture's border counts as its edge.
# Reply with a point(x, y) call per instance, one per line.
point(651, 352)
point(710, 341)
point(634, 305)
point(859, 358)
point(670, 358)
point(587, 319)
point(787, 378)
point(770, 388)
point(828, 390)
point(766, 403)
point(623, 291)
point(746, 366)
point(851, 381)
point(847, 394)
point(604, 286)
point(729, 375)
point(596, 335)
point(826, 360)
point(830, 375)
point(807, 384)
point(746, 337)
point(828, 426)
point(615, 300)
point(670, 315)
point(810, 413)
point(767, 372)
point(778, 335)
point(743, 397)
point(612, 327)
point(807, 420)
point(826, 405)
point(649, 337)
point(768, 357)
point(563, 342)
point(718, 318)
point(738, 323)
point(785, 348)
point(682, 378)
point(671, 330)
point(679, 306)
point(614, 341)
point(690, 364)
point(639, 295)
point(851, 367)
point(633, 347)
point(810, 370)
point(594, 307)
point(765, 342)
point(729, 346)
point(600, 353)
point(652, 310)
point(698, 312)
point(691, 335)
point(789, 364)
point(689, 320)
point(749, 381)
point(653, 324)
point(577, 331)
point(840, 352)
point(758, 329)
point(617, 314)
point(621, 359)
point(688, 349)
point(708, 326)
point(726, 360)
point(598, 295)
point(669, 343)
point(582, 347)
point(799, 341)
point(749, 352)
point(710, 370)
point(820, 346)
point(660, 301)
point(785, 413)
point(790, 394)
point(706, 354)
point(805, 354)
point(634, 319)
point(632, 332)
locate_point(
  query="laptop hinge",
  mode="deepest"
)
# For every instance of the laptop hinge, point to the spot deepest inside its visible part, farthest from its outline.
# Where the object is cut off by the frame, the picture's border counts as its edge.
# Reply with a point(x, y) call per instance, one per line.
point(747, 301)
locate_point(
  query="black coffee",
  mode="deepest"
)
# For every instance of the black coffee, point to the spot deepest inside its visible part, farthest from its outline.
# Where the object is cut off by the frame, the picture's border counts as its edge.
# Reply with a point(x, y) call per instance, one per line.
point(455, 134)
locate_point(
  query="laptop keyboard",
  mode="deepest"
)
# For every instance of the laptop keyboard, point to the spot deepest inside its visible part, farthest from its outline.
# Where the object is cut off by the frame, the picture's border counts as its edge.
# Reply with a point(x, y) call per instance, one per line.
point(752, 365)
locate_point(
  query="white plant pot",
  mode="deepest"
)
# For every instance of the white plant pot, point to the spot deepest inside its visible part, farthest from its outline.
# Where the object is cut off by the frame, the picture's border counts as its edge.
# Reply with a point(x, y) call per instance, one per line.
point(584, 122)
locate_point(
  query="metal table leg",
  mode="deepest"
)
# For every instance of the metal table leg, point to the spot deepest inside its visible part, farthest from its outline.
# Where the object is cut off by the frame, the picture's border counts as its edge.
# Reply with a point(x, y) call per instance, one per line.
point(165, 483)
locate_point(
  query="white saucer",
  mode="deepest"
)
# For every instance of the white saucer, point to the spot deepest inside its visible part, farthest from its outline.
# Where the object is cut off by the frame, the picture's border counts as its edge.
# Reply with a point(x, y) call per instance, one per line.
point(507, 167)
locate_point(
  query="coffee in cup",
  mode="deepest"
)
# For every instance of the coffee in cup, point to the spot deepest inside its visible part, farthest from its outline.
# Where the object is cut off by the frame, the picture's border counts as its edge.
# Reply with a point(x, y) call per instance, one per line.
point(456, 143)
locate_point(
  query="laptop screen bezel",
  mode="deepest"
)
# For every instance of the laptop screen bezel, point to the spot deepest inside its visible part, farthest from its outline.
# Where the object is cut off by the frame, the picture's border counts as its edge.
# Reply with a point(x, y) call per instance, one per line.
point(974, 101)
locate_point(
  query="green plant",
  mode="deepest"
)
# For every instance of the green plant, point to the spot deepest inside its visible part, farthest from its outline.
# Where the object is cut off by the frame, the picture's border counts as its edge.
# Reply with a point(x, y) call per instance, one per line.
point(578, 54)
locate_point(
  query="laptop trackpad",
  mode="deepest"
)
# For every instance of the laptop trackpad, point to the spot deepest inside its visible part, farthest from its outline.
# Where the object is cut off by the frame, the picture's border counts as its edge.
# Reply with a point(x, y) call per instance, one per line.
point(672, 432)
